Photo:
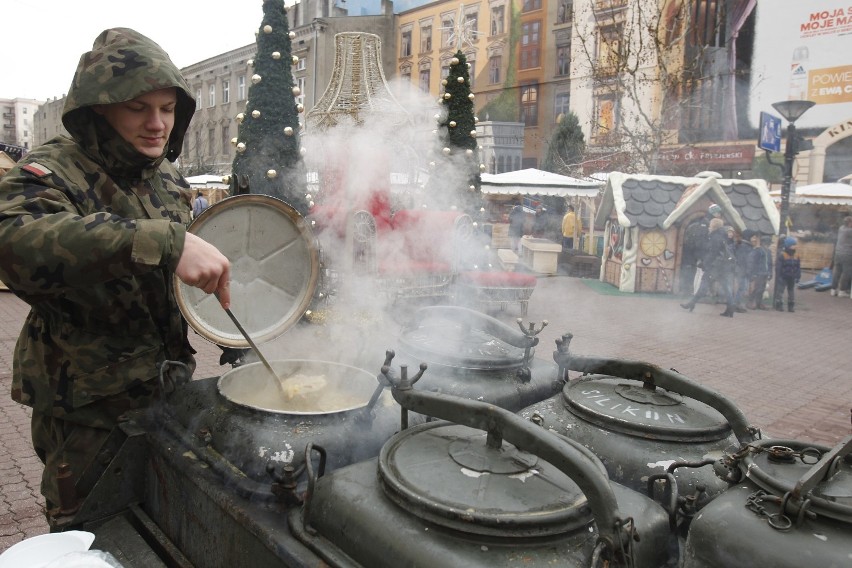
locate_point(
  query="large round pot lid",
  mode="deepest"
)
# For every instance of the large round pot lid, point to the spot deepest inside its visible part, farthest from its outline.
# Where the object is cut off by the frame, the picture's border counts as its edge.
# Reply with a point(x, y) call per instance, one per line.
point(274, 270)
point(444, 473)
point(469, 344)
point(628, 407)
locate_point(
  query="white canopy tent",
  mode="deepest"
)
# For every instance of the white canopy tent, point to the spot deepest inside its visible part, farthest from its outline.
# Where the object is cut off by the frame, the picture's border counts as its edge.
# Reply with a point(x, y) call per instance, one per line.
point(533, 182)
point(818, 194)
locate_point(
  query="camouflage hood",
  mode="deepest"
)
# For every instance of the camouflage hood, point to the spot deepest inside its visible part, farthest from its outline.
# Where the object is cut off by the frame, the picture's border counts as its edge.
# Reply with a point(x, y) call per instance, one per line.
point(122, 65)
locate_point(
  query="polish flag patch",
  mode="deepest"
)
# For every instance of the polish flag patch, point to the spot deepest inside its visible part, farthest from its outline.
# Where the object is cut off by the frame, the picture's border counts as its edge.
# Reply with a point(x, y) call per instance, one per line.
point(37, 169)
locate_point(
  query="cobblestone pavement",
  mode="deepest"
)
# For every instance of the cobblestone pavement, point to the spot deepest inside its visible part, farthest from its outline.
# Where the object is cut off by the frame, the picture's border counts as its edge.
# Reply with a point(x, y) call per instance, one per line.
point(788, 372)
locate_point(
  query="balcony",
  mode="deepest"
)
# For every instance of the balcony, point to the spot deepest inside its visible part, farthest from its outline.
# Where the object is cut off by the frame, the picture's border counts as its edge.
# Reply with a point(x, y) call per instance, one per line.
point(604, 6)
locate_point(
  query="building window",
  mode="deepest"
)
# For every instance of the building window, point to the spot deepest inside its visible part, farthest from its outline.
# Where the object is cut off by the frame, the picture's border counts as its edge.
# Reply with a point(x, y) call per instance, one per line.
point(198, 98)
point(494, 65)
point(424, 80)
point(565, 11)
point(226, 92)
point(226, 138)
point(211, 95)
point(530, 38)
point(530, 5)
point(609, 47)
point(563, 60)
point(425, 39)
point(606, 113)
point(529, 105)
point(497, 20)
point(472, 21)
point(445, 70)
point(302, 64)
point(211, 142)
point(405, 45)
point(300, 82)
point(560, 104)
point(447, 24)
point(241, 88)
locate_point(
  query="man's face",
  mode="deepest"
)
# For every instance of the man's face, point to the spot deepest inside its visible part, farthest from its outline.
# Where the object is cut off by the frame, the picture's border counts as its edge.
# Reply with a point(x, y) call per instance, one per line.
point(144, 122)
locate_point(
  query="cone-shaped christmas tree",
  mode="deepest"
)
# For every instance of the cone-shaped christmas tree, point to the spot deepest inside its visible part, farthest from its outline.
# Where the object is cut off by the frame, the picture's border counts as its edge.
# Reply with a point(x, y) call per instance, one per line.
point(461, 147)
point(268, 159)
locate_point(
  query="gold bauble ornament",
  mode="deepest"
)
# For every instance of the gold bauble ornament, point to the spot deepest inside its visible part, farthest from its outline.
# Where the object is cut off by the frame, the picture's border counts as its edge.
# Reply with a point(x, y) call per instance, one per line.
point(276, 55)
point(454, 61)
point(271, 174)
point(292, 35)
point(303, 151)
point(471, 96)
point(240, 117)
point(288, 131)
point(481, 167)
point(255, 113)
point(297, 91)
point(475, 118)
point(460, 79)
point(448, 96)
point(300, 107)
point(241, 147)
point(446, 151)
point(444, 82)
point(469, 152)
point(250, 62)
point(294, 59)
point(473, 133)
point(452, 124)
point(255, 79)
point(234, 141)
point(267, 29)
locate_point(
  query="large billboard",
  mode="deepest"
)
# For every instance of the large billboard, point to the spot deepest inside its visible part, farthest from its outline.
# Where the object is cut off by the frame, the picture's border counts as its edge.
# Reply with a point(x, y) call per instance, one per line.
point(803, 50)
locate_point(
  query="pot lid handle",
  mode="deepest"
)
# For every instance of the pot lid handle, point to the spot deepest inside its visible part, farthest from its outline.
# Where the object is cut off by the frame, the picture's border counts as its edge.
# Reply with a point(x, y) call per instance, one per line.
point(821, 469)
point(653, 376)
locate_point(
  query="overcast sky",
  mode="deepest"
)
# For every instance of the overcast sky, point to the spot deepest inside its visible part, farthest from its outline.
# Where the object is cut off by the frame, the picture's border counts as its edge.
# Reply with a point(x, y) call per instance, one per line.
point(42, 40)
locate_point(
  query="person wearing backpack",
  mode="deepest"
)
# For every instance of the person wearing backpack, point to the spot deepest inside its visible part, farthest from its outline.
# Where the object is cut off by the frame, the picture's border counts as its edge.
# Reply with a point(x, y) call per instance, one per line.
point(788, 272)
point(718, 264)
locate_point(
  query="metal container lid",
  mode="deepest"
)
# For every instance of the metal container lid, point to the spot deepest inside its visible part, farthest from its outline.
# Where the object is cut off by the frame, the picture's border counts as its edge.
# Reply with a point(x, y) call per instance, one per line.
point(444, 473)
point(630, 408)
point(446, 336)
point(274, 270)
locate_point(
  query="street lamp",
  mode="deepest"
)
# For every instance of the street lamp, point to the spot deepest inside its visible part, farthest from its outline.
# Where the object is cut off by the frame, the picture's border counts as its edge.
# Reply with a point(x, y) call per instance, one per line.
point(791, 110)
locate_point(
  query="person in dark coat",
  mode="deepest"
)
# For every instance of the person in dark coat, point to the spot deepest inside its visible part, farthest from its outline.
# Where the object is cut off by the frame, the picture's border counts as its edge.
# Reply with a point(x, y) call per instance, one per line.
point(759, 271)
point(516, 226)
point(742, 250)
point(718, 264)
point(788, 271)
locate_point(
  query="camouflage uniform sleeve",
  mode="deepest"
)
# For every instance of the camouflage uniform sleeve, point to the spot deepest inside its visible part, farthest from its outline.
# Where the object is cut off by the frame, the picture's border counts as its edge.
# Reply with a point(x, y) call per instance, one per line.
point(49, 243)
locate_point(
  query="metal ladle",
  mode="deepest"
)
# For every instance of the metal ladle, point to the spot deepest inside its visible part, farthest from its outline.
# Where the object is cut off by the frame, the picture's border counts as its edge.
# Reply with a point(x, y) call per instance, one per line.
point(253, 345)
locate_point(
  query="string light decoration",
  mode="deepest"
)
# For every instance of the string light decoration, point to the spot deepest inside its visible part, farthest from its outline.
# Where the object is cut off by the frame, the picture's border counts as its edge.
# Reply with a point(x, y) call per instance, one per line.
point(268, 160)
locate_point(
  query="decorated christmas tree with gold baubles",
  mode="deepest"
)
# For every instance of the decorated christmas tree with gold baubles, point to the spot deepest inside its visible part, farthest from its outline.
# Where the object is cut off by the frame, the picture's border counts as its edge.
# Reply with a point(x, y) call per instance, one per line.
point(268, 159)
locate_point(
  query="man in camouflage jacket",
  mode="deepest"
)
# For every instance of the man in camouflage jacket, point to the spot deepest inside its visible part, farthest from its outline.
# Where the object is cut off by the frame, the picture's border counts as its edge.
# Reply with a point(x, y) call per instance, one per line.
point(92, 231)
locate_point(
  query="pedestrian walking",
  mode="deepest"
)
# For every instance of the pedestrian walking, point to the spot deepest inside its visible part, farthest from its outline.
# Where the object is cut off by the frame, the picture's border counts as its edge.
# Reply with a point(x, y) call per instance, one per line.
point(199, 204)
point(841, 272)
point(718, 265)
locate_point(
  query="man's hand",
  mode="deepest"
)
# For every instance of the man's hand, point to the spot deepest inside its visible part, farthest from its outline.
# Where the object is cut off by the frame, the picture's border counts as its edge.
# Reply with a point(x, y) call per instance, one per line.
point(202, 266)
